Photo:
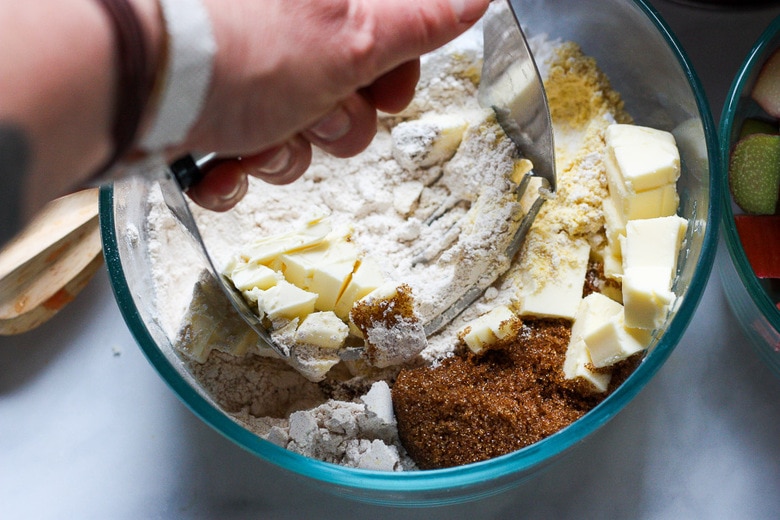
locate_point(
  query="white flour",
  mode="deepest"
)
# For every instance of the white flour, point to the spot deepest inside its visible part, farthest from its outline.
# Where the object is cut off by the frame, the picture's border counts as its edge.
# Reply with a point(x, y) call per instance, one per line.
point(386, 196)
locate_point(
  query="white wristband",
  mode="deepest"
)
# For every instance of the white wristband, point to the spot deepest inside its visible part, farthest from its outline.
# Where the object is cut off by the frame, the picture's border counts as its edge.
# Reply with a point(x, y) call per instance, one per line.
point(191, 50)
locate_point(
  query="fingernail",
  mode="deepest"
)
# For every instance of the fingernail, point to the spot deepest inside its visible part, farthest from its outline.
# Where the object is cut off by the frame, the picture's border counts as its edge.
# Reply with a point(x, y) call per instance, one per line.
point(279, 162)
point(468, 11)
point(232, 194)
point(333, 126)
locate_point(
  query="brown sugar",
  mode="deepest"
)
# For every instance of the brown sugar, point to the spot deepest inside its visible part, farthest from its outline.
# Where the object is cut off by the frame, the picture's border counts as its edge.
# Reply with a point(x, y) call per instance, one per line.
point(472, 408)
point(393, 320)
point(385, 310)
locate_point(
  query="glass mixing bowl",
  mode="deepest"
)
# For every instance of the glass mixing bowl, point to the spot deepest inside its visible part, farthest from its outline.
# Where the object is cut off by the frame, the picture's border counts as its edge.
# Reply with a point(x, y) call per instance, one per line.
point(647, 66)
point(752, 300)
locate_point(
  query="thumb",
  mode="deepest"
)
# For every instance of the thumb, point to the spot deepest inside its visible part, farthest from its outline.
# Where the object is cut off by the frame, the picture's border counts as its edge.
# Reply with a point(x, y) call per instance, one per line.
point(406, 29)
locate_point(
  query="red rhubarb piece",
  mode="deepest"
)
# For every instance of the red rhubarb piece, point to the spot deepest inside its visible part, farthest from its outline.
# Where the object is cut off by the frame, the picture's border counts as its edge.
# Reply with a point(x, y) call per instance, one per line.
point(760, 236)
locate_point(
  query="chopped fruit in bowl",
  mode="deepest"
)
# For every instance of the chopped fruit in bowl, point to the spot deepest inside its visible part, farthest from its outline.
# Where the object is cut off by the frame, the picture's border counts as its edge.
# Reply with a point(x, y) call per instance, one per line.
point(763, 254)
point(750, 147)
point(766, 91)
point(754, 173)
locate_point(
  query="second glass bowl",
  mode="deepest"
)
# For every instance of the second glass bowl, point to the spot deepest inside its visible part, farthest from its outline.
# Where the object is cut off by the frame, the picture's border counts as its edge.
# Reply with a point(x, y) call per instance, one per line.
point(753, 301)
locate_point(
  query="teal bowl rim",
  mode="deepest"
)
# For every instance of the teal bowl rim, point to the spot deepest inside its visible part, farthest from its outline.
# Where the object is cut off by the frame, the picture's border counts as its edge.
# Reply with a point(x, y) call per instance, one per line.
point(755, 57)
point(504, 471)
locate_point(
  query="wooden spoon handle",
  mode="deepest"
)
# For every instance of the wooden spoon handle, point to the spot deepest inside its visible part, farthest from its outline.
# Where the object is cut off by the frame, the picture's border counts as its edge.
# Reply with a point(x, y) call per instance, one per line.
point(49, 262)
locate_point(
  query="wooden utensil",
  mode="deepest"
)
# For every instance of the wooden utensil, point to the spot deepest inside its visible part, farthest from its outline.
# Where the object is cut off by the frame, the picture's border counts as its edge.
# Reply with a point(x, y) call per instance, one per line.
point(46, 265)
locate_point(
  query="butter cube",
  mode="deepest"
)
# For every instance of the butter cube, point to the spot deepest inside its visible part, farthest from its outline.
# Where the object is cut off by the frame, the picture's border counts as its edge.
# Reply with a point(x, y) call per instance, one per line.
point(642, 166)
point(246, 276)
point(313, 363)
point(611, 341)
point(656, 202)
point(323, 330)
point(297, 267)
point(428, 141)
point(645, 157)
point(614, 224)
point(331, 275)
point(559, 296)
point(329, 282)
point(266, 249)
point(646, 302)
point(613, 266)
point(594, 310)
point(488, 328)
point(366, 277)
point(650, 251)
point(654, 243)
point(577, 365)
point(285, 300)
point(302, 267)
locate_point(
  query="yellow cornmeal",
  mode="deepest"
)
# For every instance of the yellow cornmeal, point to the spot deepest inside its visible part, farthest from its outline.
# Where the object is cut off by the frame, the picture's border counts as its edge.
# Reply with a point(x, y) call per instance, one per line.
point(582, 105)
point(469, 71)
point(577, 91)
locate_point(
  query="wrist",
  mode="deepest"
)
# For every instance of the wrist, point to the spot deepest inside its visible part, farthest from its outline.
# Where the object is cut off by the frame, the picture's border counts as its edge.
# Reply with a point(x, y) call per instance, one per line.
point(184, 74)
point(150, 14)
point(136, 52)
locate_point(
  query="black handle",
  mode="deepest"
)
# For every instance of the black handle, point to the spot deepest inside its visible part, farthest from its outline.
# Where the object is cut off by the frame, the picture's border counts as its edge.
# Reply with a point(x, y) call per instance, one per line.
point(189, 170)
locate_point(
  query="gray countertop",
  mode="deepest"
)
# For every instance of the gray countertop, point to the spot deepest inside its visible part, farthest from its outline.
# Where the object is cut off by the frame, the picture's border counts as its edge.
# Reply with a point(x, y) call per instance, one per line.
point(89, 430)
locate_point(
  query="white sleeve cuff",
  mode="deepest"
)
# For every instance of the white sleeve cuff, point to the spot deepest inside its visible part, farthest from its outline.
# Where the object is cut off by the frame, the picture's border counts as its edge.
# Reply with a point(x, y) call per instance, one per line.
point(191, 50)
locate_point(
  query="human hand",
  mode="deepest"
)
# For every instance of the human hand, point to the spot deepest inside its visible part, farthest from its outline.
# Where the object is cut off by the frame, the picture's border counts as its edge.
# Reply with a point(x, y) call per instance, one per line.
point(290, 74)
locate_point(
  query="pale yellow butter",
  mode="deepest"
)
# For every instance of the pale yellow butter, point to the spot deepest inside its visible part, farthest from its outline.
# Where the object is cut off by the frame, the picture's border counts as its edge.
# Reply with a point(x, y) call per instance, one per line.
point(650, 251)
point(266, 249)
point(656, 202)
point(577, 364)
point(247, 276)
point(594, 310)
point(614, 225)
point(654, 242)
point(298, 267)
point(284, 300)
point(323, 330)
point(611, 341)
point(611, 253)
point(428, 141)
point(324, 269)
point(646, 302)
point(329, 282)
point(366, 277)
point(559, 296)
point(488, 328)
point(642, 165)
point(645, 157)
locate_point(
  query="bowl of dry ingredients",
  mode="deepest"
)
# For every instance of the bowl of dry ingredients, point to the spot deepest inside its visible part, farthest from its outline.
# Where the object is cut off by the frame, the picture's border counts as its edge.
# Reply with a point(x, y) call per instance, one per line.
point(750, 270)
point(347, 265)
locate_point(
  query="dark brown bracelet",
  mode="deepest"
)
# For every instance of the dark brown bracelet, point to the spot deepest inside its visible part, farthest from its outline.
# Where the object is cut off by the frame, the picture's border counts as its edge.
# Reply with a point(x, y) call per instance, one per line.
point(134, 79)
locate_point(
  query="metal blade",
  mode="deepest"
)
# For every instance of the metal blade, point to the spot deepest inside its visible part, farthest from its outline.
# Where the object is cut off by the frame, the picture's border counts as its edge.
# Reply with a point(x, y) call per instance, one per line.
point(177, 204)
point(512, 87)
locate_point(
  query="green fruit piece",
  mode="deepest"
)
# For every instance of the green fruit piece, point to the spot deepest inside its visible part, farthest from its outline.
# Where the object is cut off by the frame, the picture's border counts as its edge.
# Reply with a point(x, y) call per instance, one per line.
point(757, 126)
point(754, 173)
